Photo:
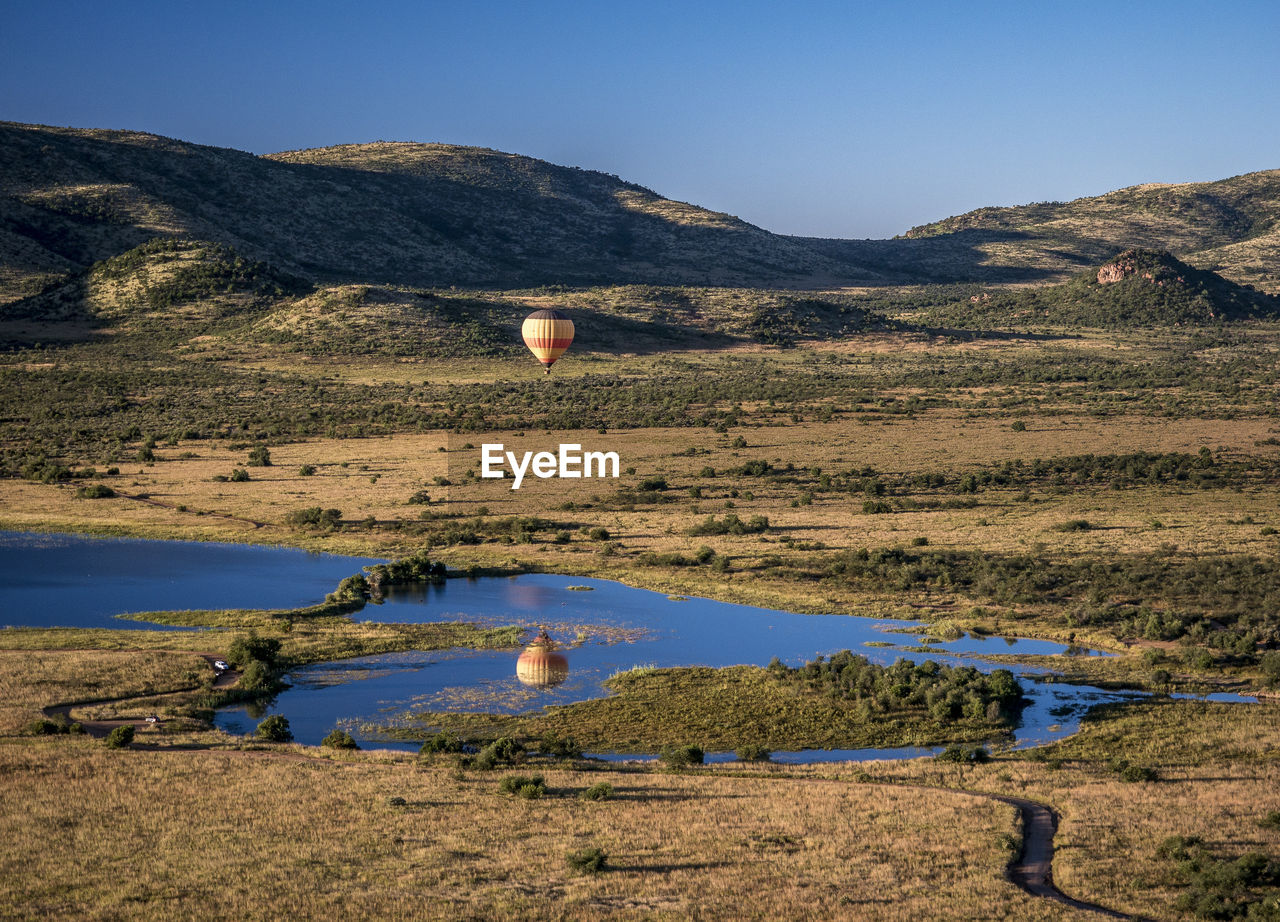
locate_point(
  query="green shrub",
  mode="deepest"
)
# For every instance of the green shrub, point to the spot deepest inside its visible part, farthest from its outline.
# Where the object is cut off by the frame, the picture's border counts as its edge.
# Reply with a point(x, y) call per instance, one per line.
point(51, 726)
point(352, 589)
point(120, 737)
point(1138, 773)
point(602, 790)
point(731, 524)
point(43, 726)
point(1270, 663)
point(244, 650)
point(752, 752)
point(420, 498)
point(314, 517)
point(260, 456)
point(441, 742)
point(682, 756)
point(95, 491)
point(502, 751)
point(529, 787)
point(339, 739)
point(239, 475)
point(559, 748)
point(257, 678)
point(1074, 525)
point(588, 860)
point(307, 470)
point(963, 754)
point(1019, 426)
point(598, 534)
point(275, 729)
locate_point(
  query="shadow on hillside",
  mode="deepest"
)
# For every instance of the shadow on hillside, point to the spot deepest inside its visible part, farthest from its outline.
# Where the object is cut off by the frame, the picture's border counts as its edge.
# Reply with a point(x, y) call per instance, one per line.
point(955, 258)
point(56, 316)
point(522, 225)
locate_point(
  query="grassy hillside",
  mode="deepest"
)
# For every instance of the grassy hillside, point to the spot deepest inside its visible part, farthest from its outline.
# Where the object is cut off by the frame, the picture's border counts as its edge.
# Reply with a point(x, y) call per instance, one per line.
point(1138, 288)
point(1231, 226)
point(401, 214)
point(435, 215)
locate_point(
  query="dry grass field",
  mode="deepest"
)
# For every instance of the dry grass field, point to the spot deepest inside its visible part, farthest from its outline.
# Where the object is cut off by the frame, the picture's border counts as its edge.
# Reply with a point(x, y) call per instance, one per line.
point(1218, 778)
point(186, 821)
point(375, 477)
point(98, 834)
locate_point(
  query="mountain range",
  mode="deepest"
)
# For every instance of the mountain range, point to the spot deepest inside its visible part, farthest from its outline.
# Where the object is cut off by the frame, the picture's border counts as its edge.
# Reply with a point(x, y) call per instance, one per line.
point(434, 215)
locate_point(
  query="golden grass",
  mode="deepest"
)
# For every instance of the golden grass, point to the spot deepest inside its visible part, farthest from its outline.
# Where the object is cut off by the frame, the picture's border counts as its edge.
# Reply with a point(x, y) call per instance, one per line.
point(261, 832)
point(35, 679)
point(1219, 774)
point(376, 476)
point(94, 833)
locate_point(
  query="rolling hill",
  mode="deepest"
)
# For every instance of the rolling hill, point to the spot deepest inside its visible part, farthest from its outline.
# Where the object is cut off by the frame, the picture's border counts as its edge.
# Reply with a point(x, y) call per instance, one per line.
point(401, 214)
point(1231, 227)
point(129, 230)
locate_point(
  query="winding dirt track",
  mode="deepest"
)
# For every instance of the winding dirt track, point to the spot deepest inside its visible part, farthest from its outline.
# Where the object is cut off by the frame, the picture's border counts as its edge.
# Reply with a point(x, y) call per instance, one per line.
point(1032, 869)
point(100, 728)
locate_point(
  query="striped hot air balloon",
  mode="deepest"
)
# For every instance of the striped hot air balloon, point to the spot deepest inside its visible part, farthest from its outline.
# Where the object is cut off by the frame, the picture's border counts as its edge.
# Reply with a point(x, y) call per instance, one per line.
point(547, 334)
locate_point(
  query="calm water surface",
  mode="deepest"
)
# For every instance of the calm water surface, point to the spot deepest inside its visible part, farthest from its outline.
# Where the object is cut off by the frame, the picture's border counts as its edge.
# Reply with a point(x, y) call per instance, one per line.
point(66, 580)
point(54, 580)
point(613, 627)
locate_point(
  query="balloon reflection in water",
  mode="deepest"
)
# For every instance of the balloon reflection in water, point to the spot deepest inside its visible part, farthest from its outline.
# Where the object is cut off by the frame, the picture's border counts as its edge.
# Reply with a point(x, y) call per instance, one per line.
point(540, 666)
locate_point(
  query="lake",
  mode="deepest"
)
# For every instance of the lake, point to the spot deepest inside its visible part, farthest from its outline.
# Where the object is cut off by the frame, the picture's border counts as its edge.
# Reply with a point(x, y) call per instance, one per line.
point(56, 580)
point(602, 627)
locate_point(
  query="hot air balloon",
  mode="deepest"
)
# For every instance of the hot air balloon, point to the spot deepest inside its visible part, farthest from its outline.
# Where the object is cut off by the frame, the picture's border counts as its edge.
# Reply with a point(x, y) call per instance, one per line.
point(540, 666)
point(547, 334)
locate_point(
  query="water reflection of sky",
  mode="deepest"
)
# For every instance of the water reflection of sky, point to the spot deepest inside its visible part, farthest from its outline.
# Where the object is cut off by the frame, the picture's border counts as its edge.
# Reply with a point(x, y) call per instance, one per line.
point(658, 630)
point(55, 580)
point(68, 580)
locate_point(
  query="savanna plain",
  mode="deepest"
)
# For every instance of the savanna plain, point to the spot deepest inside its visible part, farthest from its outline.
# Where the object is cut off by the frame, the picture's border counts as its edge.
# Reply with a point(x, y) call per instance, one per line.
point(1091, 457)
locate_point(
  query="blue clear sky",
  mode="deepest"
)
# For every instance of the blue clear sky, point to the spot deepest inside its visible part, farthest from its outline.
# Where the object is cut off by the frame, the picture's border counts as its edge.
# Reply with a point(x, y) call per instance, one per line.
point(837, 119)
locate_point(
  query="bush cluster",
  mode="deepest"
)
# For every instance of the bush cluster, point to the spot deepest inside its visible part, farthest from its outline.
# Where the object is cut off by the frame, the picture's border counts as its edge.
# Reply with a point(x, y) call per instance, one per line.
point(529, 787)
point(948, 692)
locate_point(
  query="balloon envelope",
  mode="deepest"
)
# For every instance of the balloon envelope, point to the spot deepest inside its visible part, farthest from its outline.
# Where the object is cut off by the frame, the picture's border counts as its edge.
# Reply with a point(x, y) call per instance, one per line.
point(540, 665)
point(547, 334)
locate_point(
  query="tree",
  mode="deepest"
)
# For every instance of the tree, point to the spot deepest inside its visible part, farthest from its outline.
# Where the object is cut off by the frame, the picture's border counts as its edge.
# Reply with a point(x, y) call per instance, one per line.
point(251, 647)
point(257, 677)
point(275, 729)
point(1270, 663)
point(339, 739)
point(120, 737)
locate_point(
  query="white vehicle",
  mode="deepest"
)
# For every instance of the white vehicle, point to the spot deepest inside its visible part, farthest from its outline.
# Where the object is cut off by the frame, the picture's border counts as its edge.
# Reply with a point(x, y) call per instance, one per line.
point(153, 719)
point(221, 665)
